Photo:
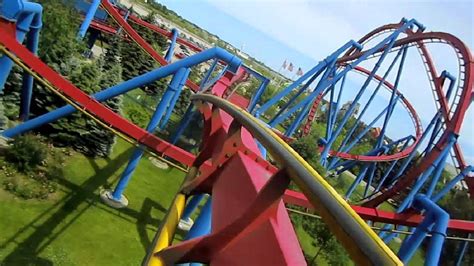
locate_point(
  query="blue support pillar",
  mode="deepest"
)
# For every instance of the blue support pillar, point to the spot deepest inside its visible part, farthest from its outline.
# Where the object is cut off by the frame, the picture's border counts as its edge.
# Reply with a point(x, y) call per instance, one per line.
point(6, 64)
point(356, 182)
point(202, 226)
point(452, 183)
point(436, 222)
point(462, 252)
point(32, 44)
point(191, 206)
point(219, 53)
point(125, 18)
point(422, 179)
point(28, 17)
point(411, 243)
point(176, 83)
point(170, 52)
point(88, 18)
point(173, 101)
point(187, 118)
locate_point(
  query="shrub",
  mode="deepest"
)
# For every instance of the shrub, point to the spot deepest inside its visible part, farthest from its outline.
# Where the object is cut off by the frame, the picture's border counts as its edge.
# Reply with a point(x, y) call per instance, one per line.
point(26, 152)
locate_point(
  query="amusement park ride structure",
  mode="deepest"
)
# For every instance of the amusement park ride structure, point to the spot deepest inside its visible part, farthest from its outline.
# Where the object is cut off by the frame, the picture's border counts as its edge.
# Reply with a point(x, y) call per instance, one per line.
point(245, 220)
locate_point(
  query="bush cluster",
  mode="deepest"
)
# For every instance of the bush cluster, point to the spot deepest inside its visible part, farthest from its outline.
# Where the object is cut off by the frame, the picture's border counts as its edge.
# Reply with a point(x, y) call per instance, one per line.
point(31, 168)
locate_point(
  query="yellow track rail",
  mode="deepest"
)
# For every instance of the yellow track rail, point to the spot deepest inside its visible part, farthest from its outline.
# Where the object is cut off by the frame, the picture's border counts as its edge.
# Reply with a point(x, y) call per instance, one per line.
point(361, 242)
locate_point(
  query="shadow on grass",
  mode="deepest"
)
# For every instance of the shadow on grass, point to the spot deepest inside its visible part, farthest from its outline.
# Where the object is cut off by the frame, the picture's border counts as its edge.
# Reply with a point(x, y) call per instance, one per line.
point(26, 251)
point(144, 218)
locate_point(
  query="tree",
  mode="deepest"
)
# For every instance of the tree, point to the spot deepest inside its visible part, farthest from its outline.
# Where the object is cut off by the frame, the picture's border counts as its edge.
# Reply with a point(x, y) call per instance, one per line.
point(11, 94)
point(136, 62)
point(307, 147)
point(3, 118)
point(156, 40)
point(58, 40)
point(183, 102)
point(26, 152)
point(459, 206)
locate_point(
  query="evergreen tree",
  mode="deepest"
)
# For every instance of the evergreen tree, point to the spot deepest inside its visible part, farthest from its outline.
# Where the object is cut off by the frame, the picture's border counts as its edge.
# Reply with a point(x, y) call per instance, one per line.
point(3, 118)
point(183, 102)
point(136, 62)
point(11, 94)
point(158, 42)
point(58, 41)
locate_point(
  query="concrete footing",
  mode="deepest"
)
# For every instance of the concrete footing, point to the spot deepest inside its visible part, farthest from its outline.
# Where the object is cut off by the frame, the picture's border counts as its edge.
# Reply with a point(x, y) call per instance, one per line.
point(106, 197)
point(186, 224)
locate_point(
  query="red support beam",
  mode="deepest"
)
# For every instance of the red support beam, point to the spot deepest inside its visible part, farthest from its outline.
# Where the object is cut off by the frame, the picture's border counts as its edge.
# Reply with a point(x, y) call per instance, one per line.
point(375, 215)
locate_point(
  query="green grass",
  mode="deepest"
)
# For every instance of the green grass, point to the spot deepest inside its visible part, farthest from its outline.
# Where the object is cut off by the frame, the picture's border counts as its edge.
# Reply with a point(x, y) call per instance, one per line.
point(74, 228)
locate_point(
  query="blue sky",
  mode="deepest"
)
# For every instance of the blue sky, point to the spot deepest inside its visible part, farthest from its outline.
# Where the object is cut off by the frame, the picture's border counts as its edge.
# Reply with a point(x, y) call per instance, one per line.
point(306, 31)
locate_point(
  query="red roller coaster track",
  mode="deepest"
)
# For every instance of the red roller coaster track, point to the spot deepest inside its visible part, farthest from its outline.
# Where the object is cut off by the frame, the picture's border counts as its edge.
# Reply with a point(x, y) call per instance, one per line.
point(417, 38)
point(139, 135)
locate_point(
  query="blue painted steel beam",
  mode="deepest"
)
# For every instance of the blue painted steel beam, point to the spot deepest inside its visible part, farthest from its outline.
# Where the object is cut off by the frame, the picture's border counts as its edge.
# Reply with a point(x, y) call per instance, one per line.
point(88, 19)
point(311, 72)
point(437, 174)
point(191, 206)
point(335, 110)
point(392, 165)
point(462, 252)
point(410, 157)
point(359, 117)
point(393, 101)
point(422, 179)
point(28, 18)
point(145, 79)
point(170, 52)
point(412, 242)
point(389, 42)
point(293, 98)
point(351, 108)
point(202, 226)
point(280, 117)
point(448, 186)
point(436, 221)
point(176, 84)
point(172, 102)
point(260, 90)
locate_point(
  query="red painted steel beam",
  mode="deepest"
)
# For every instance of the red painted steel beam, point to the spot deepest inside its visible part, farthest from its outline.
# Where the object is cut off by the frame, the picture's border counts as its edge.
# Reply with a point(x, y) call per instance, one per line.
point(92, 106)
point(103, 27)
point(138, 39)
point(131, 32)
point(375, 215)
point(452, 126)
point(370, 158)
point(164, 32)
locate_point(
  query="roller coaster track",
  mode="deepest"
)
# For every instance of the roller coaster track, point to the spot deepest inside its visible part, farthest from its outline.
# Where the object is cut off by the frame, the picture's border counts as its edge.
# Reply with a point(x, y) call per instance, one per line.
point(117, 17)
point(361, 242)
point(327, 198)
point(452, 114)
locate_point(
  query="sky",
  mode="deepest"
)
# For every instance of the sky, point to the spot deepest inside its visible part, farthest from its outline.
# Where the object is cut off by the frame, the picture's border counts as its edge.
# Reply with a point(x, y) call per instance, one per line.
point(304, 32)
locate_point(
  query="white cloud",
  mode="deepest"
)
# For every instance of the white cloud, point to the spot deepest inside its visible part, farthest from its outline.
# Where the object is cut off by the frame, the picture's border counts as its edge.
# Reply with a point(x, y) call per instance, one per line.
point(298, 24)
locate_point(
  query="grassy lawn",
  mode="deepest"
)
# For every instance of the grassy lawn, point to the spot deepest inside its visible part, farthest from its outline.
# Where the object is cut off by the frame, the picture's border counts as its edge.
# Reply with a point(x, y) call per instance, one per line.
point(74, 228)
